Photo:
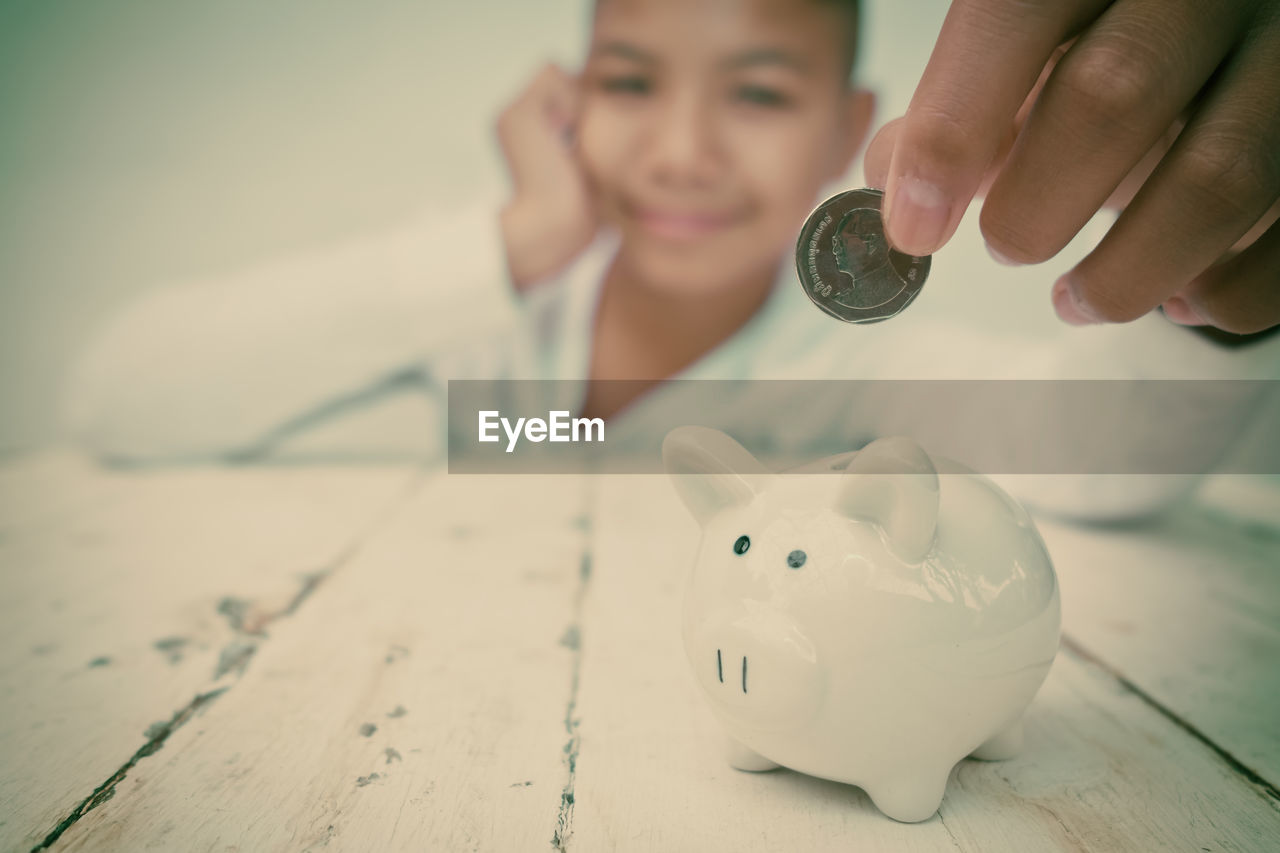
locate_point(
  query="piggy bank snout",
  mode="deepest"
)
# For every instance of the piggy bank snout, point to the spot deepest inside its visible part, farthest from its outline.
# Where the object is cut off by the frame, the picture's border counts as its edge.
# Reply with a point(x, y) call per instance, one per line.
point(760, 672)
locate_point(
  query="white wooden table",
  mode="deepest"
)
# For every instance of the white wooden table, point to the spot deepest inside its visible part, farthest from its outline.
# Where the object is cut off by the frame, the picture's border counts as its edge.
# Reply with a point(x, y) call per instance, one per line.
point(262, 659)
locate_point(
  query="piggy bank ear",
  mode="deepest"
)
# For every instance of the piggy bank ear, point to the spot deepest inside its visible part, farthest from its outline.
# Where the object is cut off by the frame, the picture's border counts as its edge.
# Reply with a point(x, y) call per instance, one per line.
point(710, 470)
point(892, 483)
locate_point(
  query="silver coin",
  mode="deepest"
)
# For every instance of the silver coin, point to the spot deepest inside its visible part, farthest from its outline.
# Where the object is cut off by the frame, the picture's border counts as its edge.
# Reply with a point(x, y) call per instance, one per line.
point(846, 265)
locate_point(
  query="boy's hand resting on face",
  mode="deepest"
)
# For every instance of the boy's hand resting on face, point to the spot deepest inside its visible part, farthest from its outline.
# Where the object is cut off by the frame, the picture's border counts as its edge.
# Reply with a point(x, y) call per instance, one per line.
point(549, 218)
point(1168, 109)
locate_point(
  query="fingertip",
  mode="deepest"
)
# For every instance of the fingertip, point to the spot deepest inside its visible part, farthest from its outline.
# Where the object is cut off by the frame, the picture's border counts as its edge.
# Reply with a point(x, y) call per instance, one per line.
point(875, 175)
point(1000, 257)
point(875, 163)
point(1068, 306)
point(1180, 310)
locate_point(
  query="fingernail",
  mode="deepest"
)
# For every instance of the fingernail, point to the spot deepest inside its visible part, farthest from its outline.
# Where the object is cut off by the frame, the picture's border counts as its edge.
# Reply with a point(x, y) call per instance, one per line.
point(1068, 306)
point(919, 218)
point(1002, 259)
point(1179, 310)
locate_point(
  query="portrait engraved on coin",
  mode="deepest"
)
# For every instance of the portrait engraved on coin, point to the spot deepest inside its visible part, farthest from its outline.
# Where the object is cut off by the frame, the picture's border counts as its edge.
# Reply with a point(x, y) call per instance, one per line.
point(861, 249)
point(846, 265)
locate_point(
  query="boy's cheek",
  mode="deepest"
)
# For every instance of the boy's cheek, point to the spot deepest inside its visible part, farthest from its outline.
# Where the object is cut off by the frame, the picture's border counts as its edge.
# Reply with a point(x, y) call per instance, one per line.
point(789, 157)
point(603, 193)
point(601, 149)
point(790, 193)
point(601, 143)
point(606, 208)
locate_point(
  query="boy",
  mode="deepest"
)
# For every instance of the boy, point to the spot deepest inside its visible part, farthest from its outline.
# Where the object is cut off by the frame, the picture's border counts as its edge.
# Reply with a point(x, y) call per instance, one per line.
point(704, 133)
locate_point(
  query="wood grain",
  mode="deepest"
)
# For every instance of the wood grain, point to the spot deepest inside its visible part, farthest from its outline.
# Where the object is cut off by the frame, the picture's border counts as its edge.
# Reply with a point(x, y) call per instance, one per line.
point(126, 597)
point(1186, 608)
point(386, 660)
point(417, 702)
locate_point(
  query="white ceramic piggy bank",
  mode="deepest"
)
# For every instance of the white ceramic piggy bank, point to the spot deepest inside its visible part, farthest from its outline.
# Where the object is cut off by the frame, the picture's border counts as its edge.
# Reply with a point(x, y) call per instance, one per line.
point(872, 626)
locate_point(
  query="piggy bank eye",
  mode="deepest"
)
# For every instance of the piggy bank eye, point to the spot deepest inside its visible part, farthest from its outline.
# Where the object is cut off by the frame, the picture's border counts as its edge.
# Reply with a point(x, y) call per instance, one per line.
point(741, 546)
point(795, 559)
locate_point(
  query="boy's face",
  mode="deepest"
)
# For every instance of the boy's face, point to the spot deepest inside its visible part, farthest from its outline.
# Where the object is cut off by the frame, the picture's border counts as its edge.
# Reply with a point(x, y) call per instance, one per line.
point(708, 127)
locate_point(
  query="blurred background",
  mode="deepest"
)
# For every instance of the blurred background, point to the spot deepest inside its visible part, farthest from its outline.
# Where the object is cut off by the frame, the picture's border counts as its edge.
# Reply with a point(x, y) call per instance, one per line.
point(146, 141)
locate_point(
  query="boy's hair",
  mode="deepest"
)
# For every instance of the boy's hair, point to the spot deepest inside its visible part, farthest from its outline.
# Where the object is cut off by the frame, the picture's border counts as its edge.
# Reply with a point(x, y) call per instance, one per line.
point(851, 11)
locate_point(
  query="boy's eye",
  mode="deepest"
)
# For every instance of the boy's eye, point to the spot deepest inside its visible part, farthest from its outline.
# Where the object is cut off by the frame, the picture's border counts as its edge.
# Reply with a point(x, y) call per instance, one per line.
point(795, 559)
point(741, 546)
point(761, 96)
point(627, 85)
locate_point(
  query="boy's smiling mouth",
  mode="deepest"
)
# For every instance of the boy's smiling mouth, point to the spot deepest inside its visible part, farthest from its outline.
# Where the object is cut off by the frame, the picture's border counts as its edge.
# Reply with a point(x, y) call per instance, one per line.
point(680, 224)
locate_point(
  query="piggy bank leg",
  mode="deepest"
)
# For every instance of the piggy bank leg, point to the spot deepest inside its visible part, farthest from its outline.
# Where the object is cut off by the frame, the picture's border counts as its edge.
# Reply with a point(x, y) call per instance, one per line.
point(742, 758)
point(1005, 744)
point(910, 798)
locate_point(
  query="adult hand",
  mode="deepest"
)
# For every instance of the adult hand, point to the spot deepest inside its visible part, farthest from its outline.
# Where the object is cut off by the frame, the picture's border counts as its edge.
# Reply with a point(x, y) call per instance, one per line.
point(549, 218)
point(1168, 109)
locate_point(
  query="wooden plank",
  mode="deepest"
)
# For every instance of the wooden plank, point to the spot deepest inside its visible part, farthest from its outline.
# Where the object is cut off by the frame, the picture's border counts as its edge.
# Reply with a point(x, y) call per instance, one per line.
point(125, 596)
point(1187, 609)
point(417, 702)
point(1102, 769)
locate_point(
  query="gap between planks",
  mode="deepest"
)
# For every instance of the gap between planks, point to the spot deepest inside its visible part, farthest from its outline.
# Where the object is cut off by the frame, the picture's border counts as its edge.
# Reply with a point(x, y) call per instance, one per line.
point(159, 734)
point(573, 639)
point(1071, 646)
